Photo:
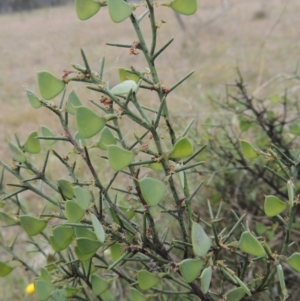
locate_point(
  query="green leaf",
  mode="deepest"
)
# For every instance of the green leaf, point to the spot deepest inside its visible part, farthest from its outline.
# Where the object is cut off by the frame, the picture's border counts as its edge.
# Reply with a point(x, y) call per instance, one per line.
point(116, 251)
point(135, 295)
point(156, 166)
point(5, 269)
point(98, 228)
point(45, 275)
point(183, 148)
point(294, 261)
point(32, 144)
point(82, 232)
point(43, 289)
point(205, 279)
point(118, 10)
point(129, 212)
point(88, 246)
point(82, 256)
point(118, 157)
point(85, 9)
point(295, 129)
point(250, 245)
point(80, 141)
point(190, 269)
point(49, 85)
point(32, 225)
point(66, 188)
point(17, 153)
point(125, 87)
point(33, 99)
point(73, 211)
point(235, 294)
point(63, 236)
point(126, 75)
point(83, 197)
point(152, 190)
point(248, 150)
point(99, 285)
point(88, 122)
point(106, 138)
point(200, 240)
point(146, 280)
point(47, 133)
point(73, 102)
point(273, 205)
point(60, 295)
point(184, 7)
point(6, 219)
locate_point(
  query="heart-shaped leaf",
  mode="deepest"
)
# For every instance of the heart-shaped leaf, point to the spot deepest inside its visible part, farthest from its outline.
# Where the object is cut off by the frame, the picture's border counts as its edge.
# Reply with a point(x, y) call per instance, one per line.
point(32, 144)
point(88, 246)
point(183, 148)
point(294, 261)
point(249, 244)
point(98, 228)
point(85, 9)
point(45, 275)
point(49, 85)
point(235, 294)
point(135, 295)
point(152, 190)
point(83, 197)
point(5, 269)
point(190, 269)
point(205, 279)
point(184, 7)
point(66, 188)
point(118, 157)
point(33, 99)
point(126, 75)
point(119, 10)
point(200, 240)
point(80, 141)
point(88, 122)
point(273, 205)
point(63, 236)
point(73, 102)
point(82, 232)
point(43, 289)
point(73, 211)
point(116, 251)
point(125, 87)
point(129, 212)
point(156, 166)
point(17, 153)
point(82, 256)
point(32, 225)
point(248, 150)
point(60, 295)
point(99, 285)
point(47, 133)
point(106, 138)
point(146, 280)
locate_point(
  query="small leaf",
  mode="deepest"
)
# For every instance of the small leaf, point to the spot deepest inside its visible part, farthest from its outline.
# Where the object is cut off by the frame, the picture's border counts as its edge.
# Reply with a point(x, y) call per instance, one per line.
point(63, 236)
point(125, 87)
point(152, 190)
point(126, 75)
point(184, 7)
point(33, 99)
point(98, 228)
point(32, 144)
point(85, 9)
point(129, 212)
point(146, 280)
point(200, 240)
point(32, 225)
point(205, 279)
point(73, 211)
point(250, 245)
point(88, 246)
point(49, 85)
point(80, 141)
point(43, 289)
point(6, 219)
point(118, 10)
point(73, 102)
point(47, 133)
point(82, 256)
point(156, 166)
point(295, 129)
point(60, 295)
point(99, 285)
point(190, 269)
point(66, 188)
point(116, 251)
point(118, 157)
point(83, 197)
point(5, 269)
point(88, 122)
point(235, 294)
point(273, 205)
point(248, 150)
point(45, 275)
point(294, 261)
point(82, 232)
point(17, 153)
point(183, 148)
point(106, 138)
point(135, 295)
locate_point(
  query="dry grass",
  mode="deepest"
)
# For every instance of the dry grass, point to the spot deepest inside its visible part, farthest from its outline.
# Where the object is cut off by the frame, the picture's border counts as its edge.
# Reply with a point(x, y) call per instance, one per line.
point(260, 37)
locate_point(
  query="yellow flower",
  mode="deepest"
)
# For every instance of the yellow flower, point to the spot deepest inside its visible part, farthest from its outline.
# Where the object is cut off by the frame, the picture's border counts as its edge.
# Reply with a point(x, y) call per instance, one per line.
point(30, 289)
